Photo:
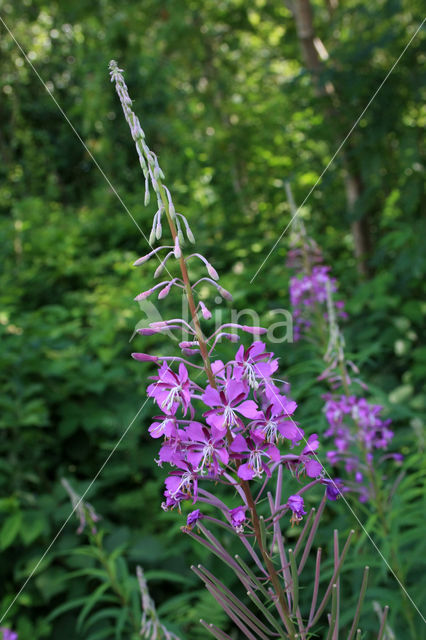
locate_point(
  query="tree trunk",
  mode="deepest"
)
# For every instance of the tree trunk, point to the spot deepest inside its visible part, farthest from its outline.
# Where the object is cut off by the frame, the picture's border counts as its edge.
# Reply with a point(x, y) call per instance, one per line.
point(313, 53)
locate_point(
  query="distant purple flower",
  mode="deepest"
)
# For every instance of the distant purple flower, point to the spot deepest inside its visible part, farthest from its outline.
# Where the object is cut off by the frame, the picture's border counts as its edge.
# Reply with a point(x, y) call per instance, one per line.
point(296, 504)
point(193, 518)
point(307, 291)
point(256, 451)
point(227, 403)
point(8, 634)
point(238, 518)
point(171, 389)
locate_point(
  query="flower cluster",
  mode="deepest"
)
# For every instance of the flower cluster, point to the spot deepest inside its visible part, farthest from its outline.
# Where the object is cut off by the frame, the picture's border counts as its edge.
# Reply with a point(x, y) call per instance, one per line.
point(355, 424)
point(245, 418)
point(226, 428)
point(8, 634)
point(307, 291)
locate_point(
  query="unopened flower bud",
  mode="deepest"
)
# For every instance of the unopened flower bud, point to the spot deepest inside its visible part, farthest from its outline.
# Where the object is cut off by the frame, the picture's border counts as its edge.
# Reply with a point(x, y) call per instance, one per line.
point(232, 337)
point(143, 296)
point(190, 352)
point(164, 292)
point(225, 294)
point(144, 357)
point(205, 312)
point(212, 272)
point(254, 330)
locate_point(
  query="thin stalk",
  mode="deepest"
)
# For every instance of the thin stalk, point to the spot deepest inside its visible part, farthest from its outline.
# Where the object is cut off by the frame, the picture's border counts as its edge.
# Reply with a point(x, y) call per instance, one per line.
point(316, 586)
point(333, 578)
point(294, 580)
point(312, 535)
point(383, 624)
point(359, 605)
point(334, 612)
point(206, 575)
point(335, 633)
point(215, 631)
point(240, 624)
point(303, 532)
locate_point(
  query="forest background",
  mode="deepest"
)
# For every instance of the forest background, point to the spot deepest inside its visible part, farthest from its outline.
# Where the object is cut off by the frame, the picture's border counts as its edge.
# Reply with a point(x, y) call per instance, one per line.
point(236, 98)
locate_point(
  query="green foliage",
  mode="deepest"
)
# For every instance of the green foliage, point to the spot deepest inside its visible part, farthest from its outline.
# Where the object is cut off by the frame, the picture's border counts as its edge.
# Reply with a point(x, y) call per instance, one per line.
point(225, 100)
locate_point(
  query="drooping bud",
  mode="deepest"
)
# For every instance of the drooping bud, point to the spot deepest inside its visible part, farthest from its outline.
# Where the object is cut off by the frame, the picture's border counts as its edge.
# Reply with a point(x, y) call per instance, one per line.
point(190, 235)
point(232, 337)
point(165, 292)
point(188, 345)
point(147, 293)
point(225, 294)
point(254, 330)
point(205, 312)
point(190, 352)
point(144, 295)
point(146, 331)
point(144, 357)
point(149, 255)
point(212, 272)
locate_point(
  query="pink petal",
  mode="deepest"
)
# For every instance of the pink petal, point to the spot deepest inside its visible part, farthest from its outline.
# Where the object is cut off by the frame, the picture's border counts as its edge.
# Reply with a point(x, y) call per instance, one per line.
point(211, 397)
point(234, 388)
point(248, 409)
point(245, 472)
point(313, 468)
point(216, 420)
point(238, 445)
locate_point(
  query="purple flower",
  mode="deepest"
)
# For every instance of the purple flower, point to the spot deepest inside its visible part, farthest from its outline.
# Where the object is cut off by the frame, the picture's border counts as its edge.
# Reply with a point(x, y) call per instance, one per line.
point(193, 518)
point(255, 449)
point(313, 468)
point(164, 426)
point(227, 403)
point(182, 483)
point(206, 450)
point(307, 291)
point(275, 423)
point(296, 504)
point(254, 364)
point(334, 488)
point(171, 389)
point(238, 518)
point(8, 634)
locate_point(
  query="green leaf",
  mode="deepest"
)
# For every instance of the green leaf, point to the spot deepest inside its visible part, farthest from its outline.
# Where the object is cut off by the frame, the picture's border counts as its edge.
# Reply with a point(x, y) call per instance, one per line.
point(10, 529)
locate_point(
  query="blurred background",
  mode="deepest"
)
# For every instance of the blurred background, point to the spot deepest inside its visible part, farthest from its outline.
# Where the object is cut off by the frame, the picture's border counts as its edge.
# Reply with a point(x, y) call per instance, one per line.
point(236, 98)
